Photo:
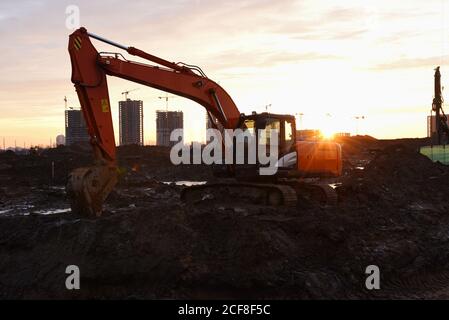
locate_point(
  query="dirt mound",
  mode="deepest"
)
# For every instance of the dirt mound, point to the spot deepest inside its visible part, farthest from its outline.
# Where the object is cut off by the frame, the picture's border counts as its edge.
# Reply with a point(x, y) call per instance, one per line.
point(172, 251)
point(399, 175)
point(357, 144)
point(357, 151)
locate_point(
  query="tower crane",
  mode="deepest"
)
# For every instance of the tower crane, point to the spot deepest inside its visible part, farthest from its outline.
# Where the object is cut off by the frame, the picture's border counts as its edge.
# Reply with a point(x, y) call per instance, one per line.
point(125, 93)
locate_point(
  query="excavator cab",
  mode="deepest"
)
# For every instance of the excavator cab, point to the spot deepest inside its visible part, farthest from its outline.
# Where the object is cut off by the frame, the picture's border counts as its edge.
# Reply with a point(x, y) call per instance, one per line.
point(256, 123)
point(283, 124)
point(305, 159)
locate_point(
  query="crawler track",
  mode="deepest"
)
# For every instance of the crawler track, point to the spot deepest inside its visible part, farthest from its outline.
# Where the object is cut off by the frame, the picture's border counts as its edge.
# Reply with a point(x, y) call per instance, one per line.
point(260, 193)
point(257, 193)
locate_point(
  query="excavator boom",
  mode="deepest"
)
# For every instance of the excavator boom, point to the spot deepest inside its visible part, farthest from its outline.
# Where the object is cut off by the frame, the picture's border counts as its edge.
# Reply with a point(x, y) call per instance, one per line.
point(89, 187)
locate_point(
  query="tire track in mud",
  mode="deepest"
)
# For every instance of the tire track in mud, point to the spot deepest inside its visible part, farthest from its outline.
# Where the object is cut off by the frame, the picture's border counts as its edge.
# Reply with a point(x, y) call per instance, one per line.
point(418, 286)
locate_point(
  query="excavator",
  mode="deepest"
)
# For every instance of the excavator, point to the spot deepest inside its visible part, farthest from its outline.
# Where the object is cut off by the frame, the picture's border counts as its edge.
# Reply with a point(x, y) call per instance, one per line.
point(88, 187)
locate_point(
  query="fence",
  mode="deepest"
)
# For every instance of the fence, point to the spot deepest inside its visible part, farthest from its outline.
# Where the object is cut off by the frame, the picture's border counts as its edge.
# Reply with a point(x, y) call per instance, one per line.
point(436, 153)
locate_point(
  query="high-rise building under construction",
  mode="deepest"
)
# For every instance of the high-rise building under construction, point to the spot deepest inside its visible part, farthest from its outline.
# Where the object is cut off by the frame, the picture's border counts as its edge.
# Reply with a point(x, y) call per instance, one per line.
point(166, 122)
point(131, 122)
point(75, 127)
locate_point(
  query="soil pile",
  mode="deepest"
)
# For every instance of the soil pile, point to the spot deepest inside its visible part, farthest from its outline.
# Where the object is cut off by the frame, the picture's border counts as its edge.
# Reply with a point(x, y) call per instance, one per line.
point(399, 175)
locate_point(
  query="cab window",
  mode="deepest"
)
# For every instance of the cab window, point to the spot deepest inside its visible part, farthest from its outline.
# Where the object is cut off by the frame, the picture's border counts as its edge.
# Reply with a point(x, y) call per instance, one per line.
point(271, 124)
point(288, 132)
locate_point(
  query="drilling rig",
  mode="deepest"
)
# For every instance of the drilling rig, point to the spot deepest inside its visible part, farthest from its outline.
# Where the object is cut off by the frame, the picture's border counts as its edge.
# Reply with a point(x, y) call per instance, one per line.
point(441, 127)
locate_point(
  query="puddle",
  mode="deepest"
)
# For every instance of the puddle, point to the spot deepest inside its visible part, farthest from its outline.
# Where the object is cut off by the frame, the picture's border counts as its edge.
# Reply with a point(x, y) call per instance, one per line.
point(26, 210)
point(52, 211)
point(421, 206)
point(185, 183)
point(21, 209)
point(62, 188)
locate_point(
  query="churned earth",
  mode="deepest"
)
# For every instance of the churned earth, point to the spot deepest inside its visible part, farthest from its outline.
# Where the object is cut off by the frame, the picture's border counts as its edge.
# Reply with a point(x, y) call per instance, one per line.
point(392, 212)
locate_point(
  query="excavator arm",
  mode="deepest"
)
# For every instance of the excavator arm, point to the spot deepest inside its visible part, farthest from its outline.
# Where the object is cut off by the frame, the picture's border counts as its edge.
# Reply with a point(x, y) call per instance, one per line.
point(89, 187)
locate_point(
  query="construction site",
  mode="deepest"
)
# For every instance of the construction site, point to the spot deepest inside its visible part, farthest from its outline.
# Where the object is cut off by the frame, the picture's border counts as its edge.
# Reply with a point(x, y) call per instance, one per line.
point(282, 212)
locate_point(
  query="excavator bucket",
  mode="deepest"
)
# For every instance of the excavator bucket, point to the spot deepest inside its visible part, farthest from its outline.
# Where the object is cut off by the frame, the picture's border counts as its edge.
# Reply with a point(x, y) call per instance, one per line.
point(87, 189)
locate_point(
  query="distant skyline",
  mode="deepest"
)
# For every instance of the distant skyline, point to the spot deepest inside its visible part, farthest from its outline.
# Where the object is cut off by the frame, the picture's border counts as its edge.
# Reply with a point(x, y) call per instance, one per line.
point(329, 60)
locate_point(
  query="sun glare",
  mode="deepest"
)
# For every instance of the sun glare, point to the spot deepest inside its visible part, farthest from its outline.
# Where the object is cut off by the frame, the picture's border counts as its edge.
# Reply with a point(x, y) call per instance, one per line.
point(327, 133)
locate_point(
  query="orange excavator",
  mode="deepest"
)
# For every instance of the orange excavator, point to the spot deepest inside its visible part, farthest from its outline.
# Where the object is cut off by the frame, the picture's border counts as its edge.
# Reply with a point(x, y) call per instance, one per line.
point(89, 187)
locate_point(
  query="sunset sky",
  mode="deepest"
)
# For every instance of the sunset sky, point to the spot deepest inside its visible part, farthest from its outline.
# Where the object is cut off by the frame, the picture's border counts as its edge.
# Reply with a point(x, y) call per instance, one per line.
point(343, 58)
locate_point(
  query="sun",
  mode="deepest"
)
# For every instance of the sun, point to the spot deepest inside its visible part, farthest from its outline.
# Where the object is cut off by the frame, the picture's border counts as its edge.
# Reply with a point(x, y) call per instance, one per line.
point(328, 128)
point(328, 133)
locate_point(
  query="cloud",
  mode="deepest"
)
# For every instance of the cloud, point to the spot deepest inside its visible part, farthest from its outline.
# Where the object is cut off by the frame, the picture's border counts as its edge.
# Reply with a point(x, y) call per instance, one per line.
point(411, 63)
point(333, 35)
point(264, 59)
point(397, 37)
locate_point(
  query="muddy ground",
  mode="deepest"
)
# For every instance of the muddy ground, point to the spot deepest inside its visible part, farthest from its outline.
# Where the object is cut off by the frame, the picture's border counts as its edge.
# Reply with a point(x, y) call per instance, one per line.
point(392, 212)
